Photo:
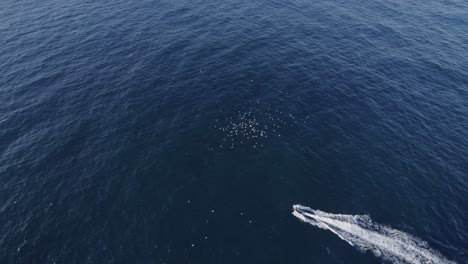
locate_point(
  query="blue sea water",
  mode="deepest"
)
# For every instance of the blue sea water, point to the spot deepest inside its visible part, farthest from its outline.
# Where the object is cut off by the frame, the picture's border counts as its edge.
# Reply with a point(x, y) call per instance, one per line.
point(175, 131)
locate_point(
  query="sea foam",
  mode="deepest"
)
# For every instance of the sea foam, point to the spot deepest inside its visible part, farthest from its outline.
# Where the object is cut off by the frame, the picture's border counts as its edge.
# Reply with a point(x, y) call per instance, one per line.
point(365, 235)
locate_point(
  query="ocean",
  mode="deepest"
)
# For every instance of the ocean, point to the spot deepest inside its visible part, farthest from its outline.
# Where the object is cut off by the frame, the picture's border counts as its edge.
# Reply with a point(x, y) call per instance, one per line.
point(176, 131)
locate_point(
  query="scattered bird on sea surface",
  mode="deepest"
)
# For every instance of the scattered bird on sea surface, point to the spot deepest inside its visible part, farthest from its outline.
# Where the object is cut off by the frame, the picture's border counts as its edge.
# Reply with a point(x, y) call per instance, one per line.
point(250, 128)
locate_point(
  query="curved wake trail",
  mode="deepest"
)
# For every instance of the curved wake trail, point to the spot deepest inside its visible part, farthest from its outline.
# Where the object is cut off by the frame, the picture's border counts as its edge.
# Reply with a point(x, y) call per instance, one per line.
point(361, 232)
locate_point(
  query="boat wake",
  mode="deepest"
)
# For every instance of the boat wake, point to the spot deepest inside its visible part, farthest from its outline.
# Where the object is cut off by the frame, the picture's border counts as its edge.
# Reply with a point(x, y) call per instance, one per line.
point(365, 235)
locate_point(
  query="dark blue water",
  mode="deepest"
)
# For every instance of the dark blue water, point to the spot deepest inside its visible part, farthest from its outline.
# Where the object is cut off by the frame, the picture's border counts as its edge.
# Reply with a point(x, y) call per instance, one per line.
point(183, 131)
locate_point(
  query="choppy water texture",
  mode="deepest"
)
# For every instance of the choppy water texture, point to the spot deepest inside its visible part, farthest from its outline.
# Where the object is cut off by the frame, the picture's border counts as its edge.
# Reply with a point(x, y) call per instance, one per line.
point(183, 131)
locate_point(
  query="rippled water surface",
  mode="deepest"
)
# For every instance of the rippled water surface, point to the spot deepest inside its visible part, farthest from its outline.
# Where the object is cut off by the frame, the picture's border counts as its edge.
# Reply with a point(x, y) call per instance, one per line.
point(183, 131)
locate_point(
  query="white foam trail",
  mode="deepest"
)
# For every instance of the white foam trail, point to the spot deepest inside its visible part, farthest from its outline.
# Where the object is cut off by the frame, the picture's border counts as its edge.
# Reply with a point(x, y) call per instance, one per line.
point(362, 233)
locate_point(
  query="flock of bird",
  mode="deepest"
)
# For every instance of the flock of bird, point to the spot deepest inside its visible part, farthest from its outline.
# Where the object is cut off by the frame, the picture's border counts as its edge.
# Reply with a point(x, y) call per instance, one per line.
point(250, 129)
